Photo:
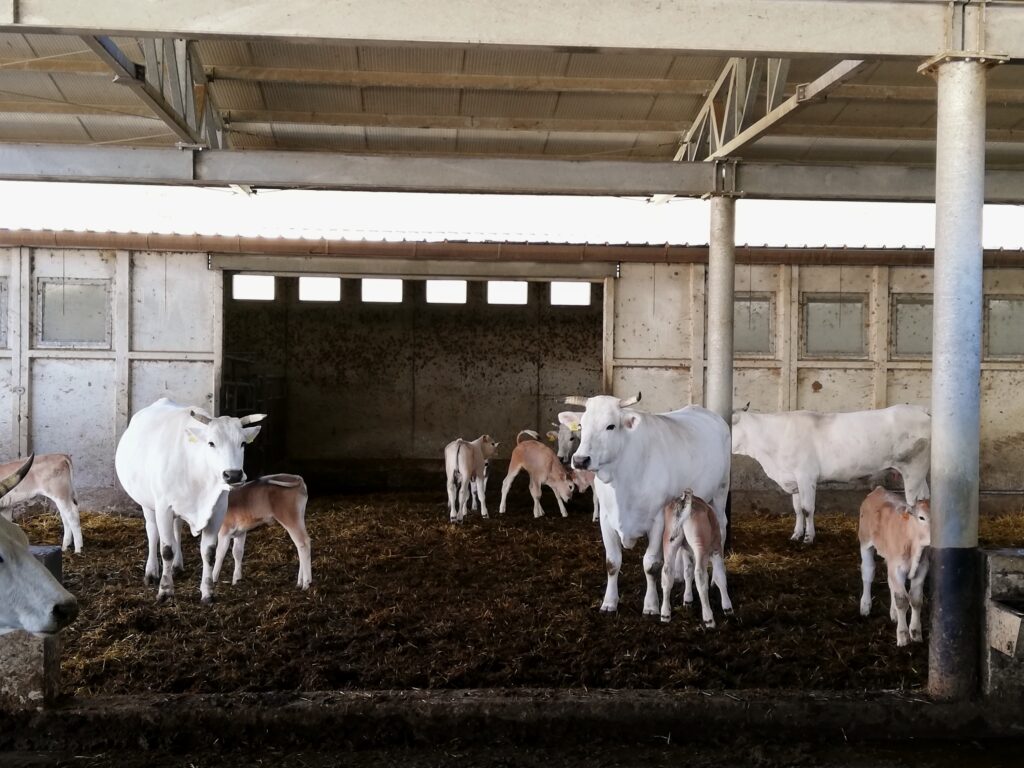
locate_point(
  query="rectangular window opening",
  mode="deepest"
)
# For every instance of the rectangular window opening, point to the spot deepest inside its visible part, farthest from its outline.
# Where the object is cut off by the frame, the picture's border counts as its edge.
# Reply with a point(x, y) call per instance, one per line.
point(446, 291)
point(834, 325)
point(753, 324)
point(319, 289)
point(73, 312)
point(911, 325)
point(382, 289)
point(507, 292)
point(575, 294)
point(252, 287)
point(1004, 321)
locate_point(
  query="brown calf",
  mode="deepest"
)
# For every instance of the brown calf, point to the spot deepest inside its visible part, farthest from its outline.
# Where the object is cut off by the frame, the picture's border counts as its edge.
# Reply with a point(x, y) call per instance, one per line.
point(691, 539)
point(543, 466)
point(272, 497)
point(52, 476)
point(901, 534)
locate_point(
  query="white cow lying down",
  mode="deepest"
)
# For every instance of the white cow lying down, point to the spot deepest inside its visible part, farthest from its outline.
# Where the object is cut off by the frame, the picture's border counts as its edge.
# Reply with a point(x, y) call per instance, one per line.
point(798, 449)
point(52, 476)
point(30, 597)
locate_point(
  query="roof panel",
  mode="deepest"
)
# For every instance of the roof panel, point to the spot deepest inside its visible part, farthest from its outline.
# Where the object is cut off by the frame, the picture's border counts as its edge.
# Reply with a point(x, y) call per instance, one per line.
point(311, 98)
point(386, 59)
point(508, 104)
point(501, 142)
point(411, 140)
point(507, 61)
point(137, 131)
point(619, 65)
point(56, 128)
point(604, 106)
point(410, 101)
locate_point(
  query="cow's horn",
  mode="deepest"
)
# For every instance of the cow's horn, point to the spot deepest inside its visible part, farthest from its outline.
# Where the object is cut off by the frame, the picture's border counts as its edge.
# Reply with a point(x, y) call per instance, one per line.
point(630, 401)
point(576, 400)
point(252, 418)
point(8, 483)
point(200, 418)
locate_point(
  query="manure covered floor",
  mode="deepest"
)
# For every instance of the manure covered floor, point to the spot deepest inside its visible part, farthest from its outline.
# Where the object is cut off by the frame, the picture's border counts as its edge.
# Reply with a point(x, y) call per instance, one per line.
point(403, 599)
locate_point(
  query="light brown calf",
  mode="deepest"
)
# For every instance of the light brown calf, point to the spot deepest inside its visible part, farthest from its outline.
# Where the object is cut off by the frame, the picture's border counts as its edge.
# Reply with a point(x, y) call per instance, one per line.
point(272, 497)
point(465, 467)
point(901, 534)
point(691, 539)
point(52, 476)
point(543, 466)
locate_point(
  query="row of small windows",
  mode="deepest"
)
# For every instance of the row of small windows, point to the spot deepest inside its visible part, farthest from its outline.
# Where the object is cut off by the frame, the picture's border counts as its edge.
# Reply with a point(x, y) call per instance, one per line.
point(835, 326)
point(391, 290)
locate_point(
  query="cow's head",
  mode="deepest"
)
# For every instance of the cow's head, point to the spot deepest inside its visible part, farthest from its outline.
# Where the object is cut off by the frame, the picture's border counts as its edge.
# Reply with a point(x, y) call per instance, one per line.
point(740, 423)
point(222, 442)
point(562, 483)
point(30, 597)
point(676, 513)
point(604, 426)
point(567, 439)
point(488, 446)
point(921, 517)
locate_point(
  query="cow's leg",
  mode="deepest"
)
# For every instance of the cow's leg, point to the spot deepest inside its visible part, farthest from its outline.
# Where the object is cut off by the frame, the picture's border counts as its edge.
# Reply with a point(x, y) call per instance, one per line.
point(867, 575)
point(179, 559)
point(700, 575)
point(535, 489)
point(237, 553)
point(513, 470)
point(561, 506)
point(612, 564)
point(718, 575)
point(208, 546)
point(481, 495)
point(798, 529)
point(165, 527)
point(300, 538)
point(653, 560)
point(223, 542)
point(668, 578)
point(687, 555)
point(597, 506)
point(68, 510)
point(807, 494)
point(474, 501)
point(916, 600)
point(153, 557)
point(898, 587)
point(453, 498)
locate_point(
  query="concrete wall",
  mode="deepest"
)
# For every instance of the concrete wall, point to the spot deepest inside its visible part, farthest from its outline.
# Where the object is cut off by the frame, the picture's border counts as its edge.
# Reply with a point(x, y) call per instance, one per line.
point(368, 382)
point(73, 371)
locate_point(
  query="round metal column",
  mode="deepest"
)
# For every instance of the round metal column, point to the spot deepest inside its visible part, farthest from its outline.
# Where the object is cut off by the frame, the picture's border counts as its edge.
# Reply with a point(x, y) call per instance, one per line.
point(956, 379)
point(721, 284)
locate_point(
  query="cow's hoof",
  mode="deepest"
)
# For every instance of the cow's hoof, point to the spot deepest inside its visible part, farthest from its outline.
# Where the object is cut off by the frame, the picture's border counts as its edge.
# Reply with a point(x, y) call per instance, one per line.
point(150, 580)
point(796, 537)
point(902, 639)
point(485, 516)
point(163, 597)
point(728, 611)
point(687, 603)
point(808, 539)
point(207, 600)
point(916, 636)
point(709, 624)
point(665, 618)
point(609, 609)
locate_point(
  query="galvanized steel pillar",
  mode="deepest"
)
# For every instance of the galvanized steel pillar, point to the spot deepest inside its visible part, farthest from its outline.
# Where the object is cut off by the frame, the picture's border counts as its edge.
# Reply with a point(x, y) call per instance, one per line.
point(721, 283)
point(956, 378)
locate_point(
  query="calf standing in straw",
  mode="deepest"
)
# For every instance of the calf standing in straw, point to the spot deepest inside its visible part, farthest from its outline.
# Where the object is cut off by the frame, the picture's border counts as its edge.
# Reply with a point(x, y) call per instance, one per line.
point(901, 534)
point(51, 476)
point(465, 463)
point(543, 466)
point(692, 537)
point(272, 497)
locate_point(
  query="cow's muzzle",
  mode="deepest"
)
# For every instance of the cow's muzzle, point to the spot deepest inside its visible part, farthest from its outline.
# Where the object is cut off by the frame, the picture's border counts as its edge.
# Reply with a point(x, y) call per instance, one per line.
point(234, 476)
point(580, 462)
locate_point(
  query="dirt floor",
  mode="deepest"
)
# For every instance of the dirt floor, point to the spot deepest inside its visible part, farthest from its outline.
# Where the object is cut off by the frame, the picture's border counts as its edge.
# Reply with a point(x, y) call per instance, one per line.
point(403, 599)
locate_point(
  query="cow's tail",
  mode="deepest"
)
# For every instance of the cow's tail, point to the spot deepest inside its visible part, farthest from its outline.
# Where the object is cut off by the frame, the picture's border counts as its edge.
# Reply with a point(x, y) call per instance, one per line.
point(71, 478)
point(529, 433)
point(284, 481)
point(456, 475)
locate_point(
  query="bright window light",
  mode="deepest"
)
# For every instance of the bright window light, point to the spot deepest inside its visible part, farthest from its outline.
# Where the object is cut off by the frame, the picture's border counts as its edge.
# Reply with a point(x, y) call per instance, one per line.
point(252, 287)
point(319, 289)
point(382, 289)
point(575, 293)
point(506, 292)
point(446, 291)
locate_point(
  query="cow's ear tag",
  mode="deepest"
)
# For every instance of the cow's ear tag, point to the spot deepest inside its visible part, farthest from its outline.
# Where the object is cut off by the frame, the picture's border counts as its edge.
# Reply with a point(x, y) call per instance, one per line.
point(191, 435)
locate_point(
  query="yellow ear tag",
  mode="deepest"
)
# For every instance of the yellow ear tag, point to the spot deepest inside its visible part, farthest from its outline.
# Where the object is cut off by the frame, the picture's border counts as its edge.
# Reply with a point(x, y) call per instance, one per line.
point(575, 427)
point(192, 438)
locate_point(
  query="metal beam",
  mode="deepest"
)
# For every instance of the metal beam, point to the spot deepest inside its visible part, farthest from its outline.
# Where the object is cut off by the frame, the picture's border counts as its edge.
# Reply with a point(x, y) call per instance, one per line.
point(786, 28)
point(134, 77)
point(806, 94)
point(775, 181)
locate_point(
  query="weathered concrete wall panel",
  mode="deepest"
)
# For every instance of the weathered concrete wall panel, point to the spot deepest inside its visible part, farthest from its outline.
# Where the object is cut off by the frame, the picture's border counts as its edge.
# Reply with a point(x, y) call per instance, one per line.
point(171, 298)
point(186, 382)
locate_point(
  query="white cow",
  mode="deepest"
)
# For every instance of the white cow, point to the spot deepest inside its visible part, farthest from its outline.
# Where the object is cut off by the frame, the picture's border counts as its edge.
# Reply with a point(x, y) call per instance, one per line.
point(798, 449)
point(30, 597)
point(52, 476)
point(177, 461)
point(643, 461)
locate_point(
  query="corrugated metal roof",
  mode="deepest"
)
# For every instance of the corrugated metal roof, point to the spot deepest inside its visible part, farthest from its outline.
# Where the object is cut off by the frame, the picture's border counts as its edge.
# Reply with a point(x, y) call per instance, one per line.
point(530, 102)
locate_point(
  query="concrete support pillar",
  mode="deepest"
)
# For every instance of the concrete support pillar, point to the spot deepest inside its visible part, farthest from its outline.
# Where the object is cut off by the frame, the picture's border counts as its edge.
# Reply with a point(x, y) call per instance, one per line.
point(956, 379)
point(721, 287)
point(30, 665)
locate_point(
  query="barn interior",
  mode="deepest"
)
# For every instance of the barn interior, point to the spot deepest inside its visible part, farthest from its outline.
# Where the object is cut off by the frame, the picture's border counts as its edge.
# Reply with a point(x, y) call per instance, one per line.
point(853, 100)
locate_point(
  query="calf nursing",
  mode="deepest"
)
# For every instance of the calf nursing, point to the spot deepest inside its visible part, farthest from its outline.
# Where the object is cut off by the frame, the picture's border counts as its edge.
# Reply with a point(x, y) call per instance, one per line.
point(691, 540)
point(901, 534)
point(273, 497)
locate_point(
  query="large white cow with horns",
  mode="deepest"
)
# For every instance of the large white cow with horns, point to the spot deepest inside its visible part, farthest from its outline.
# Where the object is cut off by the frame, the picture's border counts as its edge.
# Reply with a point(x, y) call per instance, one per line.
point(30, 597)
point(643, 461)
point(178, 461)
